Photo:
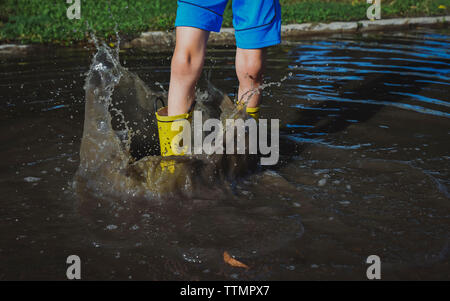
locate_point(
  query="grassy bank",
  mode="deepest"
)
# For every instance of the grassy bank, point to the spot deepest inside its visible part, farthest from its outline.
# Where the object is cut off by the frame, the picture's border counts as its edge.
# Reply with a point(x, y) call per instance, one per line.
point(45, 21)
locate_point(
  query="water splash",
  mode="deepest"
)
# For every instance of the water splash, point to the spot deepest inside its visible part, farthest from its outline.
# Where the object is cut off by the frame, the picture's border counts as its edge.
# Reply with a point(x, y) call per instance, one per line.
point(119, 152)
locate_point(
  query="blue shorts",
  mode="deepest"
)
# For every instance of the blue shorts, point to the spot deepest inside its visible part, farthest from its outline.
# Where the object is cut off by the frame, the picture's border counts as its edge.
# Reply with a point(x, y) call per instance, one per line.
point(257, 23)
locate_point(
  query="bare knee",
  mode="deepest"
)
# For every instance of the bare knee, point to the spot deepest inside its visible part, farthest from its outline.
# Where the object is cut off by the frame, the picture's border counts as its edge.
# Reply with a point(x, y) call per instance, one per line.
point(187, 64)
point(250, 70)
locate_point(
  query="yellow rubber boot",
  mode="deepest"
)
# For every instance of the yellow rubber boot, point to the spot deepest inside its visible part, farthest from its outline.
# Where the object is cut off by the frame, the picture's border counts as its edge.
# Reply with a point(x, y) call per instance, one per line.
point(170, 130)
point(253, 112)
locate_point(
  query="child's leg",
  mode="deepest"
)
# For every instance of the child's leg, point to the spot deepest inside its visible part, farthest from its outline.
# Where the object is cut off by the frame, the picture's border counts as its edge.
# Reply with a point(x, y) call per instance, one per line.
point(187, 65)
point(250, 65)
point(257, 25)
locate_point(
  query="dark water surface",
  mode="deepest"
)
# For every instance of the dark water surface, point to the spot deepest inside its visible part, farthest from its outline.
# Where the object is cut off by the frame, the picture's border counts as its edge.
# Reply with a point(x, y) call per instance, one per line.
point(364, 169)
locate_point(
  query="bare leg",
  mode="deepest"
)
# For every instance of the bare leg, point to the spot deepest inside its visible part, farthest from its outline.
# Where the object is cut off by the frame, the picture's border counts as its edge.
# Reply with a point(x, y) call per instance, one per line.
point(250, 65)
point(187, 65)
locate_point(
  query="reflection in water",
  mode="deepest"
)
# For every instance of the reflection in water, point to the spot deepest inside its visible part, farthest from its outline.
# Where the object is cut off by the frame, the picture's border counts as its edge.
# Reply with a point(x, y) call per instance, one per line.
point(364, 168)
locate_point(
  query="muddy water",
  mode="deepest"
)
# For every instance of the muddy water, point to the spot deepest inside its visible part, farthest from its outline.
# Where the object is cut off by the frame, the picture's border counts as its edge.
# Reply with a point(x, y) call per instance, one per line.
point(364, 169)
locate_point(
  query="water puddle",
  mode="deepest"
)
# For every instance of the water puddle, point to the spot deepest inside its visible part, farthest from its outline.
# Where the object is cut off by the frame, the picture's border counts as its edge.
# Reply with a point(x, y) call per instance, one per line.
point(364, 165)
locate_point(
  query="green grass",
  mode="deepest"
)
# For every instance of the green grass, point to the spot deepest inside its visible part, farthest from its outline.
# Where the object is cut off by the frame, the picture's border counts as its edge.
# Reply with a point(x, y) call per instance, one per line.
point(45, 21)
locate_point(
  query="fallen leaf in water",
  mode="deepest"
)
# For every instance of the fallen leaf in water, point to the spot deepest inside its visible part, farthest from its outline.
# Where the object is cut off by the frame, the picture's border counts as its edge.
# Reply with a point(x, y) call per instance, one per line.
point(233, 262)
